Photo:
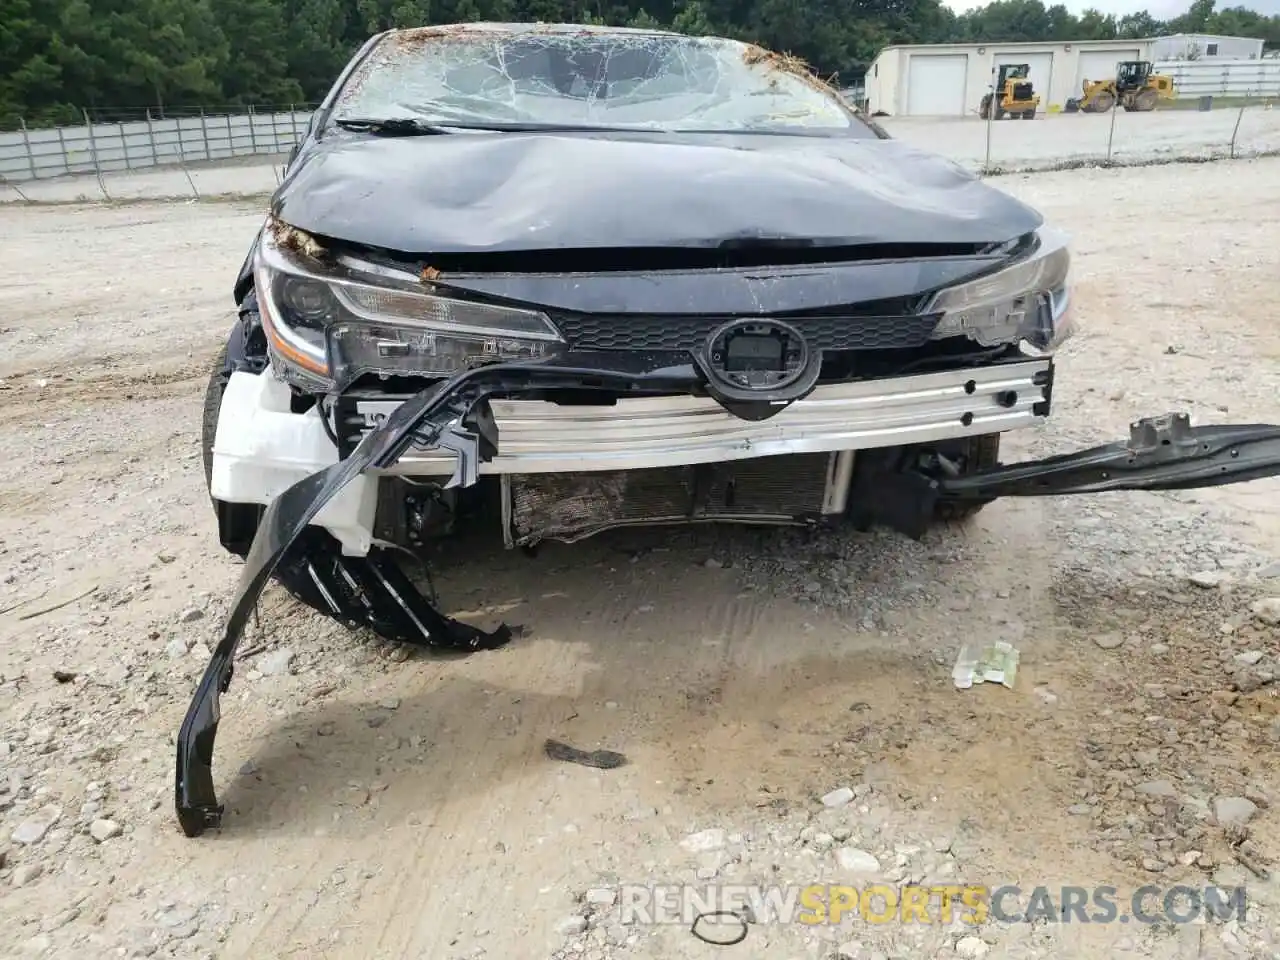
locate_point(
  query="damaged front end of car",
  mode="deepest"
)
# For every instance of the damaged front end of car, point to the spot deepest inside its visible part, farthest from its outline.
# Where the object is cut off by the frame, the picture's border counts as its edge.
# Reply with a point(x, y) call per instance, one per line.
point(1162, 453)
point(690, 366)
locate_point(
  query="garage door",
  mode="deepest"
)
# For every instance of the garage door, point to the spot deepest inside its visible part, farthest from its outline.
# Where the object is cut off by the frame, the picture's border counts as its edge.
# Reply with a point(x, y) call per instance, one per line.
point(1041, 65)
point(935, 84)
point(1100, 65)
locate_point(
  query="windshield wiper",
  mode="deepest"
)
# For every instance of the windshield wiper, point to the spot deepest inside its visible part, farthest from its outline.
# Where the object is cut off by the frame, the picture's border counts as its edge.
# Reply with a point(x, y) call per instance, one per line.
point(393, 126)
point(413, 127)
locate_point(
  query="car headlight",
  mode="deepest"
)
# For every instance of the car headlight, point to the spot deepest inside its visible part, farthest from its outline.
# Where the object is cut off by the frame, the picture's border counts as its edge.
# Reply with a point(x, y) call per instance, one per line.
point(1028, 300)
point(326, 327)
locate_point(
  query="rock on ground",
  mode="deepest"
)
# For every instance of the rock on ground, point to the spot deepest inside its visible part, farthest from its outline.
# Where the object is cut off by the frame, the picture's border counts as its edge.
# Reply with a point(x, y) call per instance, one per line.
point(853, 860)
point(1233, 810)
point(104, 830)
point(33, 829)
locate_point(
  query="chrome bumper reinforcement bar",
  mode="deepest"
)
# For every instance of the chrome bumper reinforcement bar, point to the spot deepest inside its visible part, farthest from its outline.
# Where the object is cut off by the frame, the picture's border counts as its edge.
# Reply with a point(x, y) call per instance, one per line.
point(643, 432)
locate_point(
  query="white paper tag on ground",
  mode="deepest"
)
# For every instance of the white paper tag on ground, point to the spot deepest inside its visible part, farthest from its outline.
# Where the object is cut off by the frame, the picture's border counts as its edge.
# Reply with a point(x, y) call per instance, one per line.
point(990, 663)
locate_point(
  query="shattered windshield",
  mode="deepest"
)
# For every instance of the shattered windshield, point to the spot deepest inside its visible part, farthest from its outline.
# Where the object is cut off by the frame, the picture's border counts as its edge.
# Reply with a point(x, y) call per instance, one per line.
point(604, 78)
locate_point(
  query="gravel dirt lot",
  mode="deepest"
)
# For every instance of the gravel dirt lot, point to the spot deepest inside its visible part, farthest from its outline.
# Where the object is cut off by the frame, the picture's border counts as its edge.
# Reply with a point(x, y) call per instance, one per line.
point(1050, 142)
point(388, 804)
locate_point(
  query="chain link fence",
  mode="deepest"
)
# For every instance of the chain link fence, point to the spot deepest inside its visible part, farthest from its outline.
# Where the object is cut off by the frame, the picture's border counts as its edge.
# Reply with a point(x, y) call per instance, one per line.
point(116, 155)
point(202, 153)
point(1188, 129)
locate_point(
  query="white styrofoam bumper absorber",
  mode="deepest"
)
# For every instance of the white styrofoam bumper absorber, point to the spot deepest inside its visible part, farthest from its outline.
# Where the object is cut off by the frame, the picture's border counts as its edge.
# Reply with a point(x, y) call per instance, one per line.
point(262, 448)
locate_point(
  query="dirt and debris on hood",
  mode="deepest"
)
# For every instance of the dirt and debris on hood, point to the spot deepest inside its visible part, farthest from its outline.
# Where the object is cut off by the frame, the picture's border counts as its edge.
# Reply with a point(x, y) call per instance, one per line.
point(420, 35)
point(756, 55)
point(295, 240)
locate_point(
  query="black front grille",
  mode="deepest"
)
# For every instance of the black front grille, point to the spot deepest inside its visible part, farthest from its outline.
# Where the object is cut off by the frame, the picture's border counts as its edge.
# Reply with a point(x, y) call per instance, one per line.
point(632, 332)
point(1022, 91)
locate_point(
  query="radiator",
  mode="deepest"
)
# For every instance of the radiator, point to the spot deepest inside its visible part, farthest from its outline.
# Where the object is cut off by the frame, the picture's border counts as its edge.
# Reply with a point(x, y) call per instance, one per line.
point(788, 489)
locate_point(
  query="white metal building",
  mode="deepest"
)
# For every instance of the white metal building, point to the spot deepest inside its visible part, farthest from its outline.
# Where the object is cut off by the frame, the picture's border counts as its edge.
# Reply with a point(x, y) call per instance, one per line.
point(1200, 46)
point(949, 79)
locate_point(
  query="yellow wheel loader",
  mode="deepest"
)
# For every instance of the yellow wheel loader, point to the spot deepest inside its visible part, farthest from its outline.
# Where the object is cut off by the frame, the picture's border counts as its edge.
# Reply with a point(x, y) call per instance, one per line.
point(1013, 96)
point(1134, 87)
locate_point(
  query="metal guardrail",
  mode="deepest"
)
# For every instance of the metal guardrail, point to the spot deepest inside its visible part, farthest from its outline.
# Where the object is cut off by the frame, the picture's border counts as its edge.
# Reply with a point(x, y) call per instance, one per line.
point(95, 147)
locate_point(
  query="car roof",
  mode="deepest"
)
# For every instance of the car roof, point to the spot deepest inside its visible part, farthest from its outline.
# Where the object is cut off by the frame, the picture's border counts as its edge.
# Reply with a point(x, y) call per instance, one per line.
point(445, 29)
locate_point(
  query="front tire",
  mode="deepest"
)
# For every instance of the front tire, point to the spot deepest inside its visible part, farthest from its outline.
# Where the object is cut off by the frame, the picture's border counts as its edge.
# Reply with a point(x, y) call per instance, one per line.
point(244, 350)
point(888, 483)
point(978, 453)
point(209, 416)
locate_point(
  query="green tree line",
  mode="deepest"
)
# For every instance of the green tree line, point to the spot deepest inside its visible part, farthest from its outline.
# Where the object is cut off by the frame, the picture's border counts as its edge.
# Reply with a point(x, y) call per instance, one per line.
point(118, 58)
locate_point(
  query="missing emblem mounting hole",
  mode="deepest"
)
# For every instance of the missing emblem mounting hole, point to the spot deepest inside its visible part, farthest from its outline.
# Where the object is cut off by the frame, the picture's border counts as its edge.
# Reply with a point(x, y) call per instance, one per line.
point(757, 354)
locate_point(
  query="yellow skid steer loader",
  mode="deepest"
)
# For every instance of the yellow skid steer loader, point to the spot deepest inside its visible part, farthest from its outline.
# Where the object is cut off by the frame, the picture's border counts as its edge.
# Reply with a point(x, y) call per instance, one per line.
point(1134, 87)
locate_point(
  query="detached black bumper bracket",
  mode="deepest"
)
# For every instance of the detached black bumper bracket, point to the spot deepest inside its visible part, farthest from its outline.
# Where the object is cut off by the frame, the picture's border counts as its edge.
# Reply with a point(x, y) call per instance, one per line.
point(1162, 453)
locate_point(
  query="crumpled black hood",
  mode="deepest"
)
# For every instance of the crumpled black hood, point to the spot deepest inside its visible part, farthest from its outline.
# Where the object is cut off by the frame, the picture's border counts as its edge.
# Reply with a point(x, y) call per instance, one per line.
point(476, 193)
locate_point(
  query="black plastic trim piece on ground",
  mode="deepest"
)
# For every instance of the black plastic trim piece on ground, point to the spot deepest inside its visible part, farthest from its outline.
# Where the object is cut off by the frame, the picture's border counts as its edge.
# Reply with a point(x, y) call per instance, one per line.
point(372, 591)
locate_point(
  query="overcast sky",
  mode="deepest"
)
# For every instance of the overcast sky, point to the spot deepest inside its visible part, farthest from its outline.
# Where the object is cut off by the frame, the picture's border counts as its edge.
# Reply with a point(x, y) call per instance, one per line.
point(1161, 9)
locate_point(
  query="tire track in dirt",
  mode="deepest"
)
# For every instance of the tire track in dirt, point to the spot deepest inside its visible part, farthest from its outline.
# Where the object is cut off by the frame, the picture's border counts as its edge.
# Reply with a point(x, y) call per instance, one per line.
point(25, 396)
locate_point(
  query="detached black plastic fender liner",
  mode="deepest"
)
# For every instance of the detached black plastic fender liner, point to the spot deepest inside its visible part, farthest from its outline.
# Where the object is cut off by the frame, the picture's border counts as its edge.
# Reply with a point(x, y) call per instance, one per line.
point(452, 414)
